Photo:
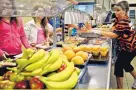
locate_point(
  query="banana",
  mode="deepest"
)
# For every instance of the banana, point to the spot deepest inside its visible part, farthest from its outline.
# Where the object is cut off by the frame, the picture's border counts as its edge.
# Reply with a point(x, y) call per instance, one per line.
point(63, 75)
point(27, 53)
point(37, 64)
point(51, 74)
point(53, 67)
point(64, 60)
point(25, 73)
point(45, 69)
point(21, 62)
point(14, 69)
point(55, 54)
point(68, 84)
point(36, 57)
point(36, 72)
point(30, 52)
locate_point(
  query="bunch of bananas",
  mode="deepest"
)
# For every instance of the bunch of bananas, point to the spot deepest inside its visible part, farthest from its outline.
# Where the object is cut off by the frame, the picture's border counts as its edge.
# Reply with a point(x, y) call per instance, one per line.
point(34, 64)
point(65, 79)
point(42, 62)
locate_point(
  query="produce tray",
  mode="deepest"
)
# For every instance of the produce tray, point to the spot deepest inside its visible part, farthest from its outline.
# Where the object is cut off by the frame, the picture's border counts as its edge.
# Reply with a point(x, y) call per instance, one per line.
point(86, 62)
point(99, 60)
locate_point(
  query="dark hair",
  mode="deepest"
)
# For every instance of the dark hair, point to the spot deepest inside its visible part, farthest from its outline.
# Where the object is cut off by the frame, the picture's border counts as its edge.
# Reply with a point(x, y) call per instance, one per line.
point(14, 8)
point(43, 21)
point(124, 5)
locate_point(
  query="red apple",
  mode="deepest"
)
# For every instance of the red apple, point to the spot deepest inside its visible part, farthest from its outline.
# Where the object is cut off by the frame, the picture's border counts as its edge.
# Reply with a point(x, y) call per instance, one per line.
point(35, 83)
point(21, 85)
point(63, 66)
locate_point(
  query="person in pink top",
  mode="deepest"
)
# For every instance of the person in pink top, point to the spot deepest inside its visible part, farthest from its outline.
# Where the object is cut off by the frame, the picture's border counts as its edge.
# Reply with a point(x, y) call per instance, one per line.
point(37, 29)
point(12, 35)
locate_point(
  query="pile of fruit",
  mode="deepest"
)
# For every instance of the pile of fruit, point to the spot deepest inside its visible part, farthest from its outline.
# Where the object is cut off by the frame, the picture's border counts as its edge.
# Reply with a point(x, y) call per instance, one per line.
point(75, 54)
point(39, 70)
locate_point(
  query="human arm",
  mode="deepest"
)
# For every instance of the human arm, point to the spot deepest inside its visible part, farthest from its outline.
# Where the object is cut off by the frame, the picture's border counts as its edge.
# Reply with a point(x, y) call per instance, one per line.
point(109, 34)
point(120, 30)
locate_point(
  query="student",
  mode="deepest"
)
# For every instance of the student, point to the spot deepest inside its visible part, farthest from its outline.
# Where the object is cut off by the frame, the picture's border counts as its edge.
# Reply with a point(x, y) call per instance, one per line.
point(36, 30)
point(127, 43)
point(12, 35)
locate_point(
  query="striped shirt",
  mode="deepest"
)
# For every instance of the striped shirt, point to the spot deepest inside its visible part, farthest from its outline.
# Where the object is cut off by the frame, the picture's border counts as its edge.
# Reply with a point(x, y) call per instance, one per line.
point(126, 36)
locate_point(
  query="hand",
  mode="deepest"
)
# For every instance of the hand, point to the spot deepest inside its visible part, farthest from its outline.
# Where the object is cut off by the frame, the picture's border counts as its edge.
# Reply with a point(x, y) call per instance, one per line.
point(34, 48)
point(49, 40)
point(3, 57)
point(33, 44)
point(5, 53)
point(97, 31)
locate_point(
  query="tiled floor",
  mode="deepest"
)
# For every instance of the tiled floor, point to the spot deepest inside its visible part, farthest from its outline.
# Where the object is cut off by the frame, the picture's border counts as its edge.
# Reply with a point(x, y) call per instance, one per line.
point(128, 79)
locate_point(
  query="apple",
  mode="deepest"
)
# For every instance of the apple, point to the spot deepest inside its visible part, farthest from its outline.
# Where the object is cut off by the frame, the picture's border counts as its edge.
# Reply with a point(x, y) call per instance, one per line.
point(35, 83)
point(63, 66)
point(21, 85)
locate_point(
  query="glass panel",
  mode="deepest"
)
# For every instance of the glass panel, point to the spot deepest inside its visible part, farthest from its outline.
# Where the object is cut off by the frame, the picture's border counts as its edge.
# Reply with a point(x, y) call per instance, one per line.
point(32, 7)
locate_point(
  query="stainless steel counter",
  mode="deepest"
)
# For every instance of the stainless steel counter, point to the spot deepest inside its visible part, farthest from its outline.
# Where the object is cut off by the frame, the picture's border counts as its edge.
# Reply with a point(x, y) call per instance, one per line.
point(97, 75)
point(100, 73)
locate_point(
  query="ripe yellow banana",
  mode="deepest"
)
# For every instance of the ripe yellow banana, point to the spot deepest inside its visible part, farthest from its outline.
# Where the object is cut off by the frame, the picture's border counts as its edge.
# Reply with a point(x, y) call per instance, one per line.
point(37, 64)
point(36, 72)
point(68, 84)
point(63, 75)
point(27, 53)
point(30, 52)
point(52, 74)
point(55, 54)
point(56, 65)
point(36, 57)
point(64, 60)
point(21, 61)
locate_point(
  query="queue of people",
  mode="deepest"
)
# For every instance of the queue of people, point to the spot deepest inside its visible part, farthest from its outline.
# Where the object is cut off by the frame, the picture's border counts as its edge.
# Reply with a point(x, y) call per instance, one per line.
point(14, 35)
